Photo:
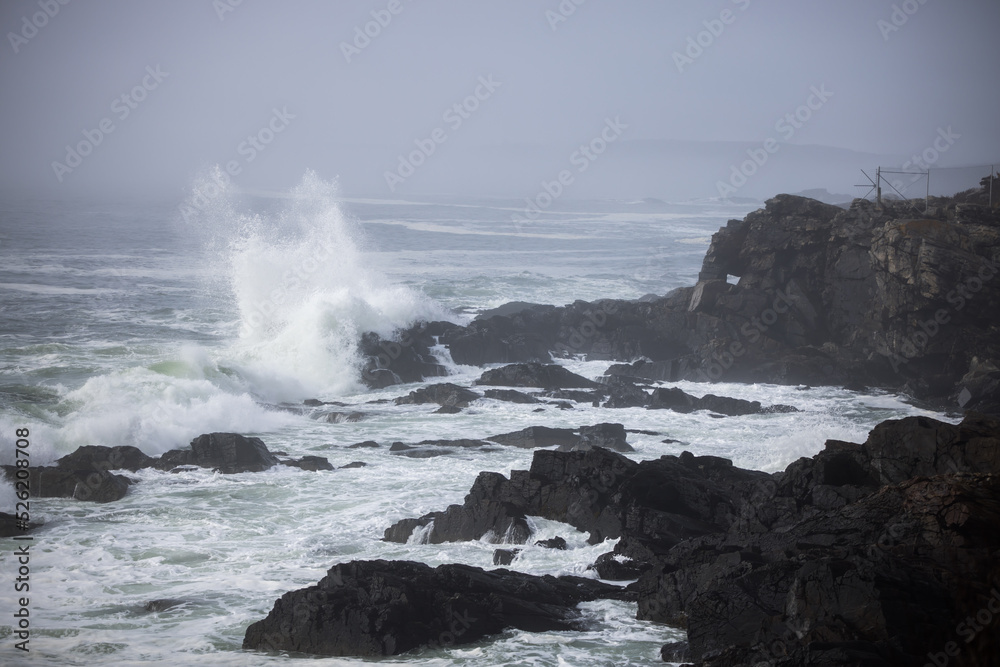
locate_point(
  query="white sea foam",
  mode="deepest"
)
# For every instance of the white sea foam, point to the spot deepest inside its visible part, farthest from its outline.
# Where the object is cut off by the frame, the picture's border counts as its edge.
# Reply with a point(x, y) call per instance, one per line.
point(305, 294)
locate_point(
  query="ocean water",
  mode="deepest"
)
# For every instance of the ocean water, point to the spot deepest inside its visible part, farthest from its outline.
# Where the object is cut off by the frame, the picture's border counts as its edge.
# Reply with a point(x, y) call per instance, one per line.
point(148, 323)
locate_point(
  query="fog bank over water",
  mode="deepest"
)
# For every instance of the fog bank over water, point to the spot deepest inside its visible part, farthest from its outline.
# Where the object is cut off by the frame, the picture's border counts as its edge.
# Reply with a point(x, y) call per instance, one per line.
point(395, 98)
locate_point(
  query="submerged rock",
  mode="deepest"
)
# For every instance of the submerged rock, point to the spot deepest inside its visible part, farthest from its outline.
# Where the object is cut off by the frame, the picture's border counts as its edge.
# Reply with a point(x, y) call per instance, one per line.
point(510, 395)
point(557, 543)
point(430, 448)
point(162, 605)
point(311, 463)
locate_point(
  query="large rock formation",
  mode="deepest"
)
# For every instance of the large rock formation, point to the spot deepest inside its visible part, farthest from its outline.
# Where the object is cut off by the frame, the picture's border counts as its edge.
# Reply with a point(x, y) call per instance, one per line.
point(876, 553)
point(226, 452)
point(894, 297)
point(377, 608)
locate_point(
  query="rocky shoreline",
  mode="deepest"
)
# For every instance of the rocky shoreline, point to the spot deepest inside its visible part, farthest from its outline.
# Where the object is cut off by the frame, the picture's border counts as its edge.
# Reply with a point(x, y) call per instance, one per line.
point(865, 554)
point(877, 553)
point(894, 298)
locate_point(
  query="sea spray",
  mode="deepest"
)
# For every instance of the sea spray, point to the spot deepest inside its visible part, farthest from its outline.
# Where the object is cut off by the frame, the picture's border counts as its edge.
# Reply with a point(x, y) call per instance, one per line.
point(305, 295)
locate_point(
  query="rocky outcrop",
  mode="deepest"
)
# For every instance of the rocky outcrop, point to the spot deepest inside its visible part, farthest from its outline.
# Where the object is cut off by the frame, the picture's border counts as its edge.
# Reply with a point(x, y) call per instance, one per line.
point(609, 436)
point(545, 376)
point(484, 514)
point(537, 436)
point(431, 448)
point(407, 357)
point(892, 297)
point(98, 457)
point(98, 486)
point(510, 395)
point(444, 394)
point(378, 608)
point(311, 463)
point(875, 551)
point(226, 452)
point(85, 474)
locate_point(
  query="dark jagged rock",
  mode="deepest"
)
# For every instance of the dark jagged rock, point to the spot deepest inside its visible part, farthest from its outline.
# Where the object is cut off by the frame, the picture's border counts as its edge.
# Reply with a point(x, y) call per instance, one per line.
point(227, 452)
point(510, 309)
point(99, 486)
point(623, 393)
point(500, 338)
point(482, 514)
point(557, 543)
point(573, 487)
point(311, 463)
point(577, 395)
point(444, 393)
point(545, 376)
point(315, 403)
point(341, 417)
point(875, 551)
point(673, 398)
point(353, 464)
point(10, 527)
point(448, 410)
point(725, 405)
point(661, 371)
point(675, 652)
point(406, 358)
point(376, 608)
point(537, 436)
point(430, 448)
point(98, 457)
point(505, 556)
point(867, 296)
point(608, 436)
point(510, 395)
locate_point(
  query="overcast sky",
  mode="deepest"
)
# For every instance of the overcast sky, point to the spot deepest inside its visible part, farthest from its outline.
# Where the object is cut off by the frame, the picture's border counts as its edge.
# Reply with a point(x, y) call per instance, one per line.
point(200, 77)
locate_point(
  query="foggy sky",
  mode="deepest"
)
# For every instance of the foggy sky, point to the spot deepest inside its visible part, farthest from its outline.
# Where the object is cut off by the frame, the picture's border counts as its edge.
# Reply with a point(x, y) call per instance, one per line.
point(893, 83)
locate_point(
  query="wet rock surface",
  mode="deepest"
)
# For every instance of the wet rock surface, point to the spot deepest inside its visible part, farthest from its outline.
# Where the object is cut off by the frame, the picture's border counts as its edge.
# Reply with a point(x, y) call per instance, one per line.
point(378, 608)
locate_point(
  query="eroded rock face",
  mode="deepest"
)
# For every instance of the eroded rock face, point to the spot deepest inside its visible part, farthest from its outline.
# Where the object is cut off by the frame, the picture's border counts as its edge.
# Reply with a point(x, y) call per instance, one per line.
point(876, 550)
point(863, 297)
point(375, 608)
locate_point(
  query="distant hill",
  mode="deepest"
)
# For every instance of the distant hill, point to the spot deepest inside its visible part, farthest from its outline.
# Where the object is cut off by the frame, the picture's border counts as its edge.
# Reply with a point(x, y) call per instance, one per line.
point(823, 195)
